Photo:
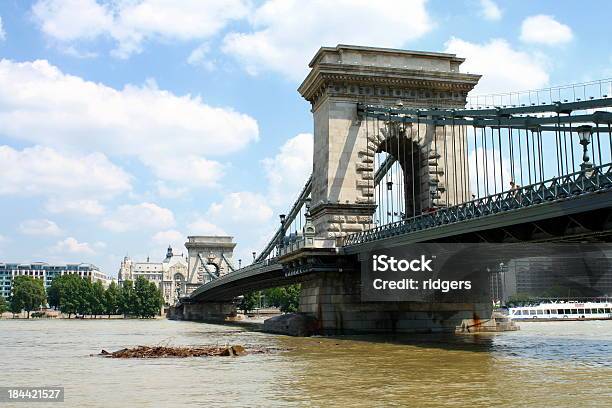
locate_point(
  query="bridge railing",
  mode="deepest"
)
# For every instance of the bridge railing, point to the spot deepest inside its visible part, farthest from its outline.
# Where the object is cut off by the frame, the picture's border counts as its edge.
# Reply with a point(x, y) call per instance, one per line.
point(594, 179)
point(237, 274)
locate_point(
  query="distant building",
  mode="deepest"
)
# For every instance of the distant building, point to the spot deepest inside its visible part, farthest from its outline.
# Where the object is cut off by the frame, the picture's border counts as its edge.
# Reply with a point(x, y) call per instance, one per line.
point(564, 275)
point(170, 275)
point(46, 272)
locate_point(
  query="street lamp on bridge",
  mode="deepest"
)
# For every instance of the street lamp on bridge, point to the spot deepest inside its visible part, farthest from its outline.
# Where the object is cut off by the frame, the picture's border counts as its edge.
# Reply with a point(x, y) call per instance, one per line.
point(584, 134)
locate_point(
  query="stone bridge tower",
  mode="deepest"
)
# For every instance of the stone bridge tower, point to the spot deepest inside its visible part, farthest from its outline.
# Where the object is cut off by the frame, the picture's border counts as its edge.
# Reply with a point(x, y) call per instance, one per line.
point(208, 257)
point(343, 199)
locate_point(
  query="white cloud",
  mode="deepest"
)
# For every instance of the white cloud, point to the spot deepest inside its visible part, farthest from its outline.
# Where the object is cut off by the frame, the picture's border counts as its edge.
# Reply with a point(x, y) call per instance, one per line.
point(503, 68)
point(204, 227)
point(544, 29)
point(131, 217)
point(167, 191)
point(201, 57)
point(43, 170)
point(131, 23)
point(2, 32)
point(287, 33)
point(289, 169)
point(174, 238)
point(74, 206)
point(39, 227)
point(68, 20)
point(71, 245)
point(241, 208)
point(41, 104)
point(490, 10)
point(188, 170)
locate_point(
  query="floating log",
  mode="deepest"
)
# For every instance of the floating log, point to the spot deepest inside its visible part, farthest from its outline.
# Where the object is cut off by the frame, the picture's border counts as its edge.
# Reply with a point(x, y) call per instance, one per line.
point(165, 351)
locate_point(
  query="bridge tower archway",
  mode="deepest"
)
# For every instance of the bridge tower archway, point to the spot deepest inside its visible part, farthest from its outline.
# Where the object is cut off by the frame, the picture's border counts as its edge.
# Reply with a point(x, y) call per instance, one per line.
point(341, 79)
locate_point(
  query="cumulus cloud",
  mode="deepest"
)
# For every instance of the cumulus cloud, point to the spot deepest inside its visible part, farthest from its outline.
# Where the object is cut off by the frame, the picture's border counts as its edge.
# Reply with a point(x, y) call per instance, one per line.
point(287, 33)
point(289, 169)
point(189, 170)
point(240, 208)
point(201, 57)
point(130, 217)
point(544, 29)
point(2, 32)
point(165, 190)
point(68, 20)
point(43, 105)
point(39, 227)
point(204, 227)
point(43, 170)
point(132, 23)
point(72, 246)
point(174, 238)
point(503, 68)
point(490, 10)
point(74, 206)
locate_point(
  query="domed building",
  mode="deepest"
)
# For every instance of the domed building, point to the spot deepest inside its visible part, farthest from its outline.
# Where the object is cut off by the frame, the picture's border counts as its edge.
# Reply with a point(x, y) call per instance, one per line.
point(170, 275)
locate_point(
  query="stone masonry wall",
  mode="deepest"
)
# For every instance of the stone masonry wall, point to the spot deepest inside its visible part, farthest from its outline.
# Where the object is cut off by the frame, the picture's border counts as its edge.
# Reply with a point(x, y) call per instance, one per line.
point(334, 300)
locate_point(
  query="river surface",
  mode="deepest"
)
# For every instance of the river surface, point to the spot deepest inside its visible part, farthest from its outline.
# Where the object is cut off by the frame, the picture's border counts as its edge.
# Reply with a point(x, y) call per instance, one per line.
point(553, 364)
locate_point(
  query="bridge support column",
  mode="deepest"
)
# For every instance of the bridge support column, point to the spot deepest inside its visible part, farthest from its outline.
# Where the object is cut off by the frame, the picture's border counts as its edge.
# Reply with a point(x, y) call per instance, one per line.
point(334, 299)
point(208, 311)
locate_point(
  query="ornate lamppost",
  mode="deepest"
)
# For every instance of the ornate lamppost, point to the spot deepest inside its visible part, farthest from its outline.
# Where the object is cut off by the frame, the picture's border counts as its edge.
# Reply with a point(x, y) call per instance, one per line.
point(281, 238)
point(584, 134)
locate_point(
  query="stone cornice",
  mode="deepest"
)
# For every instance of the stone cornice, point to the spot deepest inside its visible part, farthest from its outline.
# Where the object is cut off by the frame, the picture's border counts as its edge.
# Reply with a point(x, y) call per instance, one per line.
point(325, 74)
point(340, 48)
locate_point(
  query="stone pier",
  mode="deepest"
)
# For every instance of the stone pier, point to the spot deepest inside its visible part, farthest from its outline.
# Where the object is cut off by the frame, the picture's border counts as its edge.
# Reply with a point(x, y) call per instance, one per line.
point(206, 311)
point(334, 300)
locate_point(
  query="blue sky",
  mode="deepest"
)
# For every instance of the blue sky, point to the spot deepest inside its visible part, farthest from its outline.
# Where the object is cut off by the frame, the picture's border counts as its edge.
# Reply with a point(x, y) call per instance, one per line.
point(127, 125)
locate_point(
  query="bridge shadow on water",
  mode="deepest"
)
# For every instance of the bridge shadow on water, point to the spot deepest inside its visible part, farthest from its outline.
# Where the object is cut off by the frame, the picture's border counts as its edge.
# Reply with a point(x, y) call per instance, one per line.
point(447, 341)
point(481, 342)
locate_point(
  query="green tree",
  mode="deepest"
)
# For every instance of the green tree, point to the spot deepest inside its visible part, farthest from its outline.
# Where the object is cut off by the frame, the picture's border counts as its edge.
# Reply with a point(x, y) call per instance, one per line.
point(55, 291)
point(15, 307)
point(3, 305)
point(287, 298)
point(28, 293)
point(149, 298)
point(249, 301)
point(85, 288)
point(70, 294)
point(96, 299)
point(520, 299)
point(111, 299)
point(273, 296)
point(290, 301)
point(128, 302)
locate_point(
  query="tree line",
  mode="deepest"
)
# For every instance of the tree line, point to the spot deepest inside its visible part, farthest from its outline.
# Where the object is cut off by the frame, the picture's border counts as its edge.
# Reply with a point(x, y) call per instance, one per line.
point(73, 295)
point(286, 298)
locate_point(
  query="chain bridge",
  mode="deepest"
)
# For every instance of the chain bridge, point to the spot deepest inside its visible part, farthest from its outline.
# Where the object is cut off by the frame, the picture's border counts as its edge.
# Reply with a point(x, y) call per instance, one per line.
point(403, 155)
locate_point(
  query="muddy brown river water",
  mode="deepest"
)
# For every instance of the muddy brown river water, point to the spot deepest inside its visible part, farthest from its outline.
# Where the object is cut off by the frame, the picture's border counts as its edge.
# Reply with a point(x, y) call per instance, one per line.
point(555, 364)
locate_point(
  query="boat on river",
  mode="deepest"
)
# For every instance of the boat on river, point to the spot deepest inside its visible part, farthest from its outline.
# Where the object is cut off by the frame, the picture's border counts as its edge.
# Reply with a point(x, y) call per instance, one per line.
point(554, 311)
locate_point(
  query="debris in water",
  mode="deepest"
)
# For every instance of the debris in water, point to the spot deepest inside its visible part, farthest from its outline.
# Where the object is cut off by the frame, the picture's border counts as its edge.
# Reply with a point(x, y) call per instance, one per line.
point(165, 351)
